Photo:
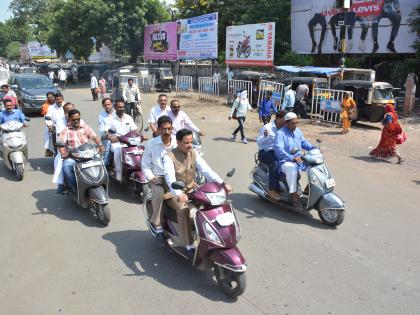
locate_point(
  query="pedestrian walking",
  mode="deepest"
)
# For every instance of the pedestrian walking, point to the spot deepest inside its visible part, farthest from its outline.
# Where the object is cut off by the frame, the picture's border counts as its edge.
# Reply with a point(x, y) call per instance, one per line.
point(102, 87)
point(62, 77)
point(347, 106)
point(267, 107)
point(239, 108)
point(94, 87)
point(392, 135)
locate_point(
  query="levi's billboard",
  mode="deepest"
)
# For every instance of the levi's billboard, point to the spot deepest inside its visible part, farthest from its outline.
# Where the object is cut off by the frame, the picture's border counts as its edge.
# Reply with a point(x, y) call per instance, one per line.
point(250, 45)
point(376, 26)
point(160, 41)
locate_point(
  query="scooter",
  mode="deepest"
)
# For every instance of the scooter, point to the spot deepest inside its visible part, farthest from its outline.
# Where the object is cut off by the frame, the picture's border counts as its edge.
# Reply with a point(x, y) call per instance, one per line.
point(13, 147)
point(216, 232)
point(132, 154)
point(320, 195)
point(92, 182)
point(197, 146)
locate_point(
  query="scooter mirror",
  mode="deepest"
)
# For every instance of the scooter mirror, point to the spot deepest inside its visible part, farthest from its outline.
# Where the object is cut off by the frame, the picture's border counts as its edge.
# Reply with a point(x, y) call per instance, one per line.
point(231, 172)
point(27, 119)
point(146, 129)
point(319, 140)
point(111, 131)
point(47, 118)
point(294, 150)
point(178, 185)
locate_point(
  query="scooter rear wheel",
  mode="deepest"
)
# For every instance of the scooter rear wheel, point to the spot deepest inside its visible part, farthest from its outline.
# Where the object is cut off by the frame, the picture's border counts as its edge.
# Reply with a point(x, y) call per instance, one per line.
point(230, 282)
point(103, 212)
point(331, 217)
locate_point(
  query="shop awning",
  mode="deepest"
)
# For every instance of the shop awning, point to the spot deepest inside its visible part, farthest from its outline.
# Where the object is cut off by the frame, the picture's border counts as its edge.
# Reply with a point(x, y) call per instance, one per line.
point(309, 69)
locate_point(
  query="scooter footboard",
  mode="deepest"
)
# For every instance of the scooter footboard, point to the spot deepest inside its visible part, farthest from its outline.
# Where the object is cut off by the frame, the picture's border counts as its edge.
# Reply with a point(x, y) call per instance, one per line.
point(330, 201)
point(98, 194)
point(230, 258)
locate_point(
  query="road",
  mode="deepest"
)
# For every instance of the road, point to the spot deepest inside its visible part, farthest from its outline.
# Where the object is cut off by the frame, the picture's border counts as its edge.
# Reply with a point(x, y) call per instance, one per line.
point(56, 259)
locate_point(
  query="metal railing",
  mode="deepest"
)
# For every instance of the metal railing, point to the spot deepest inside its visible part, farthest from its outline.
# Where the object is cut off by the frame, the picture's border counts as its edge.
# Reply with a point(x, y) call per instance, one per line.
point(326, 105)
point(276, 88)
point(234, 86)
point(208, 89)
point(184, 86)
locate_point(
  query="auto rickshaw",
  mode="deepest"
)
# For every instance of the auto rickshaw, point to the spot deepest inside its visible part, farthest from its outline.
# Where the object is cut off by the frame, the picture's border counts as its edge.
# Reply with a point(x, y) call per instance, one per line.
point(164, 78)
point(370, 98)
point(119, 81)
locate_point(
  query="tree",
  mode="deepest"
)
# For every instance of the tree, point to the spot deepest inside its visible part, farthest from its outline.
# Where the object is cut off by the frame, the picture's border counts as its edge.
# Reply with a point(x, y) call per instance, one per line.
point(13, 51)
point(13, 30)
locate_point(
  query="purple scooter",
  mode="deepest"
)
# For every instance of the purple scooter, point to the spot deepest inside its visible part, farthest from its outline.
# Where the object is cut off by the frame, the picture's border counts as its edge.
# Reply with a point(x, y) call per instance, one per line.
point(216, 233)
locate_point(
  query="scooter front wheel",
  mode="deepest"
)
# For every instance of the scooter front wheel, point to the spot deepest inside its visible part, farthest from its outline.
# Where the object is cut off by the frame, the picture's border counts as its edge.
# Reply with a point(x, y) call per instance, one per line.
point(19, 171)
point(331, 217)
point(103, 213)
point(230, 282)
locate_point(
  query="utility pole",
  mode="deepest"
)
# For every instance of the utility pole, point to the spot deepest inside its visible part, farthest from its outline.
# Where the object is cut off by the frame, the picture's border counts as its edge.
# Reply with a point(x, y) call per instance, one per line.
point(344, 5)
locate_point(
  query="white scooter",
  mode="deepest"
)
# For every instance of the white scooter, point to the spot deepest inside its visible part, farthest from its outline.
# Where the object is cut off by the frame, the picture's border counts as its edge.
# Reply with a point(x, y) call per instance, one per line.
point(13, 147)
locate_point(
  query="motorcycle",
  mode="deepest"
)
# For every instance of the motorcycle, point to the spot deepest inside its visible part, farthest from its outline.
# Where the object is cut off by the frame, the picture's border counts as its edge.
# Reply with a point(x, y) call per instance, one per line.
point(244, 48)
point(14, 149)
point(216, 232)
point(320, 195)
point(92, 182)
point(132, 154)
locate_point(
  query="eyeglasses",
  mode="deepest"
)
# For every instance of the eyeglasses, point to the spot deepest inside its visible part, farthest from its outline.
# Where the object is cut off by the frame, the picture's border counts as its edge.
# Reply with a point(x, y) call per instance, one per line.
point(176, 107)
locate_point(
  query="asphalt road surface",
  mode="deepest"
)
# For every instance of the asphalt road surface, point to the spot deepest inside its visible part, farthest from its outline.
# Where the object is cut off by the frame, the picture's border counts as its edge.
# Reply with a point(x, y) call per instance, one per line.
point(56, 259)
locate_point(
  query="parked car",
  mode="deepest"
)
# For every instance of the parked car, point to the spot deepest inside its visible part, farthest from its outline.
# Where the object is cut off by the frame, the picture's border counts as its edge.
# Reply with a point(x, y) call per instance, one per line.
point(31, 90)
point(370, 97)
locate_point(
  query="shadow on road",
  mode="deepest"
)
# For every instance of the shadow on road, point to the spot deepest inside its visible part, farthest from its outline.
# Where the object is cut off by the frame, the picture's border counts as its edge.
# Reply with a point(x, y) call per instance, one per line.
point(145, 258)
point(332, 133)
point(6, 173)
point(417, 182)
point(370, 159)
point(47, 202)
point(233, 141)
point(45, 164)
point(256, 208)
point(121, 192)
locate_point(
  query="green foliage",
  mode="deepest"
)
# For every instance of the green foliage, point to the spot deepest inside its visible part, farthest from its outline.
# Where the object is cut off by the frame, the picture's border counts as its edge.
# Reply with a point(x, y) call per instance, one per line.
point(12, 51)
point(13, 30)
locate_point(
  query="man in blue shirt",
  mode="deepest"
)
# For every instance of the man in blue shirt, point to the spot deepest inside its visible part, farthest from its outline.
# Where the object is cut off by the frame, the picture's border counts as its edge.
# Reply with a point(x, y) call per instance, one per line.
point(289, 99)
point(287, 138)
point(267, 105)
point(9, 113)
point(266, 155)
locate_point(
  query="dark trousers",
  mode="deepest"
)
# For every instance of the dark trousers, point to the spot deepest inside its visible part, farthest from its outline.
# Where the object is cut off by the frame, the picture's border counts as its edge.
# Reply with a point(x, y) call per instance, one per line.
point(268, 157)
point(62, 84)
point(395, 20)
point(266, 119)
point(241, 122)
point(300, 108)
point(94, 94)
point(129, 108)
point(317, 19)
point(364, 22)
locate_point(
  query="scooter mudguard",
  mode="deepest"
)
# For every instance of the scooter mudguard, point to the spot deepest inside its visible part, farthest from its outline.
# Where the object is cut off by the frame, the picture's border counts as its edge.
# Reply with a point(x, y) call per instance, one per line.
point(98, 194)
point(229, 258)
point(330, 201)
point(17, 157)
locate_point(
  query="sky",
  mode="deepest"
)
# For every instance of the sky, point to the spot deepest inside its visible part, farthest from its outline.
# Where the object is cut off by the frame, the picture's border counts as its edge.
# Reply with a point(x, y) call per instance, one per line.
point(4, 12)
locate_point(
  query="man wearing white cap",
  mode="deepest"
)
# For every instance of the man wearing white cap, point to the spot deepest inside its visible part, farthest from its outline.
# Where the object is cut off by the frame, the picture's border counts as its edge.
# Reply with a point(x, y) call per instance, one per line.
point(287, 138)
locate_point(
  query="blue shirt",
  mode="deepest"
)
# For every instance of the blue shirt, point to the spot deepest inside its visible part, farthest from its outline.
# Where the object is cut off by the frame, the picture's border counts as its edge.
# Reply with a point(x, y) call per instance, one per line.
point(286, 140)
point(289, 99)
point(266, 107)
point(15, 114)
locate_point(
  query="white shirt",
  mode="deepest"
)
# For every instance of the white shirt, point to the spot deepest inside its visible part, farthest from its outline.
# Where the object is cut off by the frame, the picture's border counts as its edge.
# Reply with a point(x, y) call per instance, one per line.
point(123, 125)
point(93, 82)
point(156, 112)
point(51, 75)
point(57, 116)
point(105, 121)
point(267, 143)
point(182, 121)
point(152, 160)
point(62, 76)
point(129, 93)
point(230, 75)
point(201, 166)
point(216, 77)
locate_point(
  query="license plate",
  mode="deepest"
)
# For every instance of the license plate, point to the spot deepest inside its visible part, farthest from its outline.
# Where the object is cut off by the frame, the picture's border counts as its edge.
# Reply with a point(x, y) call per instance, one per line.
point(330, 183)
point(90, 164)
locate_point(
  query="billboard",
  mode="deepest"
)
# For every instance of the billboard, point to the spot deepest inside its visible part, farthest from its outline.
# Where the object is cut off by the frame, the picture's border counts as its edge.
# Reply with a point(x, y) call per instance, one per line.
point(197, 37)
point(251, 44)
point(37, 50)
point(373, 26)
point(160, 41)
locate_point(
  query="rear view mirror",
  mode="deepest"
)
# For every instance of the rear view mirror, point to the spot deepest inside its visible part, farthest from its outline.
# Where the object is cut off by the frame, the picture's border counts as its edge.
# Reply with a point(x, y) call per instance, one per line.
point(295, 150)
point(47, 118)
point(178, 185)
point(27, 119)
point(319, 141)
point(231, 172)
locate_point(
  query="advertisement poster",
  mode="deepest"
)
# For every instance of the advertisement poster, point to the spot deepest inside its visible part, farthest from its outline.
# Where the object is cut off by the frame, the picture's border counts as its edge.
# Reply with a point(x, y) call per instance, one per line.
point(37, 50)
point(197, 37)
point(374, 26)
point(160, 41)
point(251, 45)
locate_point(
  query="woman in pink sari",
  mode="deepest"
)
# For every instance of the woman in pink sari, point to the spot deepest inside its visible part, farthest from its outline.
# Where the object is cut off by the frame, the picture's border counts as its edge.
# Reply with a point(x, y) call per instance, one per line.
point(102, 87)
point(387, 147)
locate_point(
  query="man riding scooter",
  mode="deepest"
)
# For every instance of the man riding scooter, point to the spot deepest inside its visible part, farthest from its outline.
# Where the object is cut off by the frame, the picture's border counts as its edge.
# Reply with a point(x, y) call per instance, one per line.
point(122, 124)
point(74, 134)
point(290, 137)
point(181, 164)
point(265, 142)
point(152, 166)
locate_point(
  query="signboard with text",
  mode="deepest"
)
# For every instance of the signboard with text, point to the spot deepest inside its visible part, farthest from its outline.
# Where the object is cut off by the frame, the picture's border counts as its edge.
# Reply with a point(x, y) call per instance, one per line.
point(160, 42)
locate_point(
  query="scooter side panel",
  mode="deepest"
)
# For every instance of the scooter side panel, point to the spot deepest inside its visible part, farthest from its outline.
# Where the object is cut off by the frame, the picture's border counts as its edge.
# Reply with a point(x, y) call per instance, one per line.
point(230, 258)
point(17, 157)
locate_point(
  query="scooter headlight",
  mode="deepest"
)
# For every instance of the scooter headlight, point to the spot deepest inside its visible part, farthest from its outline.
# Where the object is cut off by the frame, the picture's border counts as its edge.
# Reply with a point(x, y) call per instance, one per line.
point(211, 234)
point(217, 198)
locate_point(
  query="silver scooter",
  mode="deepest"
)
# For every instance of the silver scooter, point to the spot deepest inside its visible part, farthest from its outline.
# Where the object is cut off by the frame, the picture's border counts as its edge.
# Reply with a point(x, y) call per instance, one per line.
point(13, 146)
point(319, 196)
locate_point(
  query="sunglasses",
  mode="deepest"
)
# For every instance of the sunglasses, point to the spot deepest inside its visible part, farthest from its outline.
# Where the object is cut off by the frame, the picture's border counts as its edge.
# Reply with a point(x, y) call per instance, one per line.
point(176, 107)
